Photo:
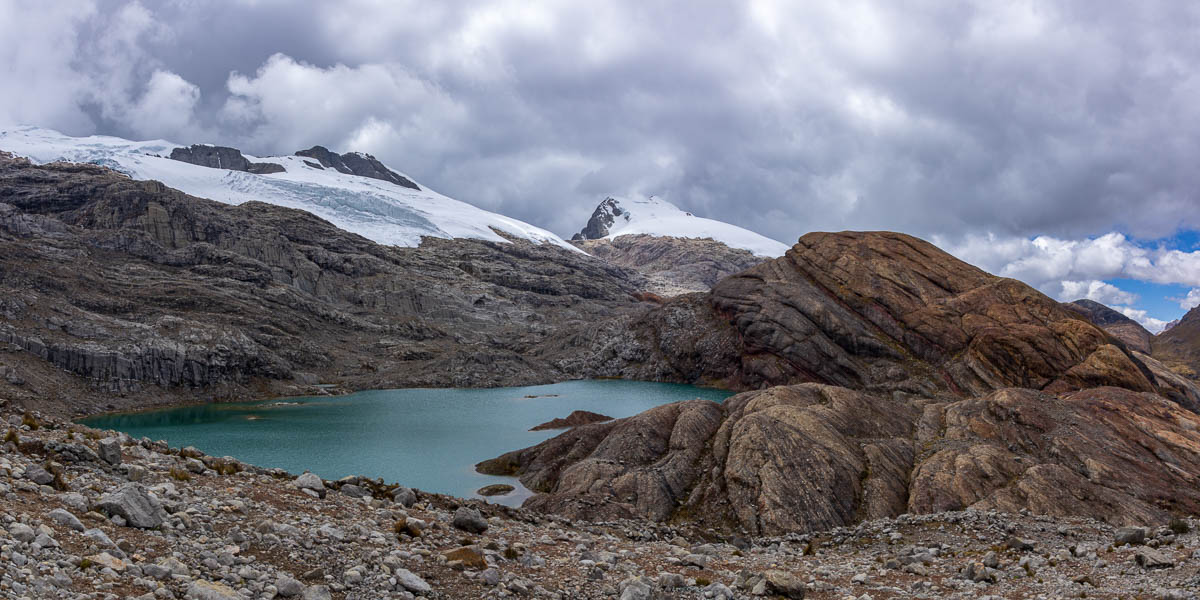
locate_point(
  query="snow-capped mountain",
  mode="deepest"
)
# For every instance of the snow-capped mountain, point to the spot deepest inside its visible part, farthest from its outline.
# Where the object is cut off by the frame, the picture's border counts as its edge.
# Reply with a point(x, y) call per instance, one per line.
point(654, 216)
point(381, 204)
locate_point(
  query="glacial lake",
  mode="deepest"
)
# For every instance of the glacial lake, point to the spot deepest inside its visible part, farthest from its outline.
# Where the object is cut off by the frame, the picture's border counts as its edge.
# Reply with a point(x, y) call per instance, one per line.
point(429, 439)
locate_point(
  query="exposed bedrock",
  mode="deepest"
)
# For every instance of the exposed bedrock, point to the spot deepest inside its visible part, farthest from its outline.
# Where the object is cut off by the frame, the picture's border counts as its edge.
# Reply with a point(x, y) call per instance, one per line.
point(811, 457)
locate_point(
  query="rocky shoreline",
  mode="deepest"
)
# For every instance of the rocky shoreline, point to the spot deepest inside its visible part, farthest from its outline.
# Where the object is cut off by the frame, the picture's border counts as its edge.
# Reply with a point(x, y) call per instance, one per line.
point(94, 514)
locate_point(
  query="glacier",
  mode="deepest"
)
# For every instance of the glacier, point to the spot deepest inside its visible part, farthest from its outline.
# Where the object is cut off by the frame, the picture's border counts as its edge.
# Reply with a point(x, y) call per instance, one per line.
point(377, 210)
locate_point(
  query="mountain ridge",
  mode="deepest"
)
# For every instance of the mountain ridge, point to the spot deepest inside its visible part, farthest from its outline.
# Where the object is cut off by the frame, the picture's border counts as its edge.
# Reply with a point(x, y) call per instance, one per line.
point(618, 216)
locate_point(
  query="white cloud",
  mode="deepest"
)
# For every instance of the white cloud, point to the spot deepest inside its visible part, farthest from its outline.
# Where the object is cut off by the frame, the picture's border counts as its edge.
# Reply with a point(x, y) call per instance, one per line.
point(1192, 300)
point(1150, 323)
point(1099, 291)
point(1048, 262)
point(288, 104)
point(166, 109)
point(37, 82)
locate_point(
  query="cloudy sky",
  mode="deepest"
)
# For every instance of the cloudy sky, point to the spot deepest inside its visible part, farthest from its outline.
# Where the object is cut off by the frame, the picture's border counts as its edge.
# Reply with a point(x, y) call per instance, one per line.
point(1055, 142)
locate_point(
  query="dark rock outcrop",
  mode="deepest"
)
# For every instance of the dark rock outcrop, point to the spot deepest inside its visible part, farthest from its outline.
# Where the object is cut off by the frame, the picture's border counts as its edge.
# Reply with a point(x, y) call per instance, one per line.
point(357, 163)
point(602, 218)
point(221, 157)
point(575, 419)
point(812, 457)
point(674, 265)
point(1121, 327)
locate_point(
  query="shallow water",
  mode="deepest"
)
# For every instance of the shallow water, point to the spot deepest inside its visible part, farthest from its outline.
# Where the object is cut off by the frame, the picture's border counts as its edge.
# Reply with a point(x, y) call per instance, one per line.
point(428, 439)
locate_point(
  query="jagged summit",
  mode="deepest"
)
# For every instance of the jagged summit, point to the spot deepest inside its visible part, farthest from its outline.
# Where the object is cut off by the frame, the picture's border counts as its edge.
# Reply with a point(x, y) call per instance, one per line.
point(357, 163)
point(353, 191)
point(616, 216)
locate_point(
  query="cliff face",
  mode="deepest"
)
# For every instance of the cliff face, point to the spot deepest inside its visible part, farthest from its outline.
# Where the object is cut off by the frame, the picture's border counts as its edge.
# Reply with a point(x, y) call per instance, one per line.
point(872, 311)
point(149, 294)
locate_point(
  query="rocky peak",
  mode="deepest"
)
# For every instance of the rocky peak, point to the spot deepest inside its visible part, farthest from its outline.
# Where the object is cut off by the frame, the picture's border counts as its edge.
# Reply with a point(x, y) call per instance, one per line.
point(222, 157)
point(357, 163)
point(602, 220)
point(1121, 327)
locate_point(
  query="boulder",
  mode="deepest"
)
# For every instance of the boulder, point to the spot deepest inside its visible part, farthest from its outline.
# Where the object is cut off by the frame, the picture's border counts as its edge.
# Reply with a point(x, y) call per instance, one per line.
point(1149, 558)
point(38, 475)
point(109, 450)
point(1134, 536)
point(287, 586)
point(469, 520)
point(309, 481)
point(411, 582)
point(135, 505)
point(208, 590)
point(66, 519)
point(22, 532)
point(787, 585)
point(352, 490)
point(404, 496)
point(108, 561)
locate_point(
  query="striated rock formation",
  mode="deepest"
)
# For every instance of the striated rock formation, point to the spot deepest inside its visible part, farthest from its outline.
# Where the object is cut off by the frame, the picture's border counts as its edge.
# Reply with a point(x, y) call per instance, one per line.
point(1121, 327)
point(811, 457)
point(865, 310)
point(221, 157)
point(674, 265)
point(150, 295)
point(575, 419)
point(925, 385)
point(357, 163)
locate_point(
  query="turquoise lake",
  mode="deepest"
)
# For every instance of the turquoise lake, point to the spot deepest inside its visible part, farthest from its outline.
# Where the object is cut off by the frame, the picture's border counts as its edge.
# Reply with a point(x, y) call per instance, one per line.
point(429, 439)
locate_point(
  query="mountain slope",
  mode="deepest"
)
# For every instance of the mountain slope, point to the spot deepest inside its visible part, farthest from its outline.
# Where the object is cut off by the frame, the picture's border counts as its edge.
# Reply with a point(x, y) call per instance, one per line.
point(350, 192)
point(144, 294)
point(616, 217)
point(1179, 346)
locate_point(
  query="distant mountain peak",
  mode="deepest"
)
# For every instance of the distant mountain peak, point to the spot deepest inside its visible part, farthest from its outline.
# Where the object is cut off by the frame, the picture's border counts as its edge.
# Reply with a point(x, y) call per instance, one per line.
point(616, 216)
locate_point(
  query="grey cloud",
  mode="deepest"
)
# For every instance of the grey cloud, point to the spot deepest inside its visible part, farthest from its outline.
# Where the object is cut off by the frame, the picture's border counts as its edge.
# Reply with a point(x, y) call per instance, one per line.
point(1069, 119)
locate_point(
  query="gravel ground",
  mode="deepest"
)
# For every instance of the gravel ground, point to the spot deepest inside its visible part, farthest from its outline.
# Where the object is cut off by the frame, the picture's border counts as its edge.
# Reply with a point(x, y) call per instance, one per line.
point(92, 514)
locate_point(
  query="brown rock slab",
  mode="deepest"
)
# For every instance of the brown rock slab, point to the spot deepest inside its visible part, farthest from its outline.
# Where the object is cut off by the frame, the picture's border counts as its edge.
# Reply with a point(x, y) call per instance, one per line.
point(576, 418)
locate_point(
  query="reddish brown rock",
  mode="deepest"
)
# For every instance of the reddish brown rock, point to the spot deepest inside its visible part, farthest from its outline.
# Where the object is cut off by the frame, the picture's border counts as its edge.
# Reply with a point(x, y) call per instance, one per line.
point(875, 311)
point(575, 419)
point(812, 457)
